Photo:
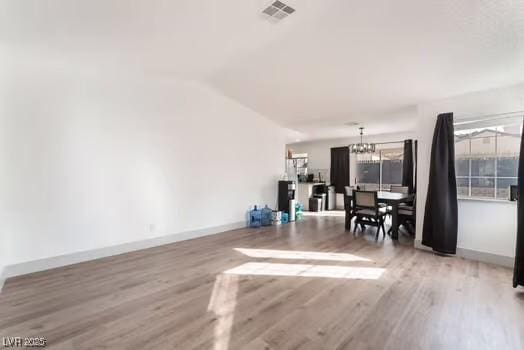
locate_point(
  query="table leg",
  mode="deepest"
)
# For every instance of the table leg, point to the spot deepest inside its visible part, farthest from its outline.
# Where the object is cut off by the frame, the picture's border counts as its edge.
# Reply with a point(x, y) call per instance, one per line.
point(347, 209)
point(348, 219)
point(394, 221)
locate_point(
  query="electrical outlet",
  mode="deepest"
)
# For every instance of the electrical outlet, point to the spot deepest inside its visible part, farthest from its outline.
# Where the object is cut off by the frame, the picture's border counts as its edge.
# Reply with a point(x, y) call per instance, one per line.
point(151, 228)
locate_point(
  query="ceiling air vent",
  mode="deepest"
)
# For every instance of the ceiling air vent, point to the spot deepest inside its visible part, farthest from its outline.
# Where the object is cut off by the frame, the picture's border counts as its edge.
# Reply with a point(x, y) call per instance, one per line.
point(278, 10)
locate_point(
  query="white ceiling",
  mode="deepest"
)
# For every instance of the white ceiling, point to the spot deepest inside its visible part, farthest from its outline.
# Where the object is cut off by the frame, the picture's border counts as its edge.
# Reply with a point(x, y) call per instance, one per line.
point(331, 62)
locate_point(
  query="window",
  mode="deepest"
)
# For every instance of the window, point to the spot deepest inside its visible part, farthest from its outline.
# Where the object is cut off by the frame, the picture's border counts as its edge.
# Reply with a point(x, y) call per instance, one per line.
point(486, 157)
point(381, 169)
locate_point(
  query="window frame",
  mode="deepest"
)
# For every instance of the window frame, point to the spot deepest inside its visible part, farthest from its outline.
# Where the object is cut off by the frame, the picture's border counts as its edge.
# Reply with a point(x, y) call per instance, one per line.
point(495, 176)
point(380, 162)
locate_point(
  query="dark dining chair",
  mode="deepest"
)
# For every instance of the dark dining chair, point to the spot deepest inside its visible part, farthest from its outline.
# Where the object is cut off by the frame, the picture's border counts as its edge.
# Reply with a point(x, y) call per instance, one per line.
point(399, 189)
point(407, 217)
point(367, 211)
point(348, 205)
point(369, 187)
point(348, 202)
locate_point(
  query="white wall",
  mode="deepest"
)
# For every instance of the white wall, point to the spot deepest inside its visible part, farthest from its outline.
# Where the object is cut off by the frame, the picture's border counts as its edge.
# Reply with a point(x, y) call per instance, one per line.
point(96, 161)
point(487, 227)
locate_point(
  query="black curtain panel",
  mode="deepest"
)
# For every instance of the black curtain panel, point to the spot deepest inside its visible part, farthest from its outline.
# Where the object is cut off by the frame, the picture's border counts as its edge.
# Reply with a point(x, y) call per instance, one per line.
point(339, 174)
point(416, 165)
point(407, 165)
point(518, 271)
point(440, 218)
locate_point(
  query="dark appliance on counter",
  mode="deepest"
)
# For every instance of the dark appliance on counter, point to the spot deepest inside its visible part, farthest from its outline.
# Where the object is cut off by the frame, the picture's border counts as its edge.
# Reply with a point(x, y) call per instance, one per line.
point(286, 193)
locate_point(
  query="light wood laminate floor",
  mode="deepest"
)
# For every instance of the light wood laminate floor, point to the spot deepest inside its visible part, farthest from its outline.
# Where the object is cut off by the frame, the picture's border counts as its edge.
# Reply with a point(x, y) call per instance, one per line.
point(270, 293)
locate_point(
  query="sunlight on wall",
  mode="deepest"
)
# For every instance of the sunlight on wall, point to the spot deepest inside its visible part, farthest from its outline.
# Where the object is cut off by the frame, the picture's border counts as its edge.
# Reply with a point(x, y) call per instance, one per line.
point(222, 303)
point(305, 270)
point(300, 255)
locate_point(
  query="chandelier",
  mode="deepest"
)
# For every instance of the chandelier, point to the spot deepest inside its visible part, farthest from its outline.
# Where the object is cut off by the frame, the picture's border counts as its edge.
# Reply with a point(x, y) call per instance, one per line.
point(362, 147)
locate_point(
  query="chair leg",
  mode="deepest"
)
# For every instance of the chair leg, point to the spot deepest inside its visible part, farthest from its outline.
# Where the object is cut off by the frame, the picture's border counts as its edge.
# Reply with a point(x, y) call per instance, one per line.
point(391, 227)
point(355, 227)
point(378, 221)
point(383, 230)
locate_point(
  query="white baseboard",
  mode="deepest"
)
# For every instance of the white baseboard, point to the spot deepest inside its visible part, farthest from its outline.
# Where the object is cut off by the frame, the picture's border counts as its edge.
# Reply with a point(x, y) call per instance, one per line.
point(74, 258)
point(502, 260)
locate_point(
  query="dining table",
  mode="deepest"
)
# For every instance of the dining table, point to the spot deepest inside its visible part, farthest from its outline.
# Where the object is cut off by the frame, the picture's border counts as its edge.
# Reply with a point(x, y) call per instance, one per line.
point(392, 199)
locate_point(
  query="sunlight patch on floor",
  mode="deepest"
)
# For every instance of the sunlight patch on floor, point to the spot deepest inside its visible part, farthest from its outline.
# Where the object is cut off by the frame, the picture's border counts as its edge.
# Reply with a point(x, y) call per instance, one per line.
point(306, 270)
point(299, 255)
point(222, 303)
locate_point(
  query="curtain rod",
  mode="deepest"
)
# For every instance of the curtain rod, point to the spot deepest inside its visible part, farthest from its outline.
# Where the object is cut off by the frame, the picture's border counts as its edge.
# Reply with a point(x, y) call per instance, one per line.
point(496, 116)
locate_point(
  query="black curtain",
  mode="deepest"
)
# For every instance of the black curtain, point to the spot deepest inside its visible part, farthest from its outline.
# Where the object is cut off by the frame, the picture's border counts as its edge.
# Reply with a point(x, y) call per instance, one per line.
point(339, 174)
point(416, 165)
point(518, 271)
point(440, 218)
point(407, 165)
